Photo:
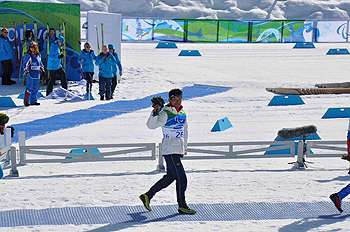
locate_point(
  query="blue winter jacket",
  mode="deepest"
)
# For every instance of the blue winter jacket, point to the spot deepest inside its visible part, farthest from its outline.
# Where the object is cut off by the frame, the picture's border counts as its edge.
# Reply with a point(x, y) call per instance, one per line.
point(5, 49)
point(106, 66)
point(32, 63)
point(115, 69)
point(89, 58)
point(54, 62)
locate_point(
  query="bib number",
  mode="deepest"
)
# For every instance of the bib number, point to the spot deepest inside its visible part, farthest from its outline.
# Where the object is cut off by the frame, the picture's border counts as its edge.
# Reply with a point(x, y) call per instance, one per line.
point(173, 133)
point(35, 68)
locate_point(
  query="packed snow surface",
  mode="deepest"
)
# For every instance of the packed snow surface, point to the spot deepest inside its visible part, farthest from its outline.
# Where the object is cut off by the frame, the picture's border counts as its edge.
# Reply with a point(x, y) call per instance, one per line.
point(220, 9)
point(248, 69)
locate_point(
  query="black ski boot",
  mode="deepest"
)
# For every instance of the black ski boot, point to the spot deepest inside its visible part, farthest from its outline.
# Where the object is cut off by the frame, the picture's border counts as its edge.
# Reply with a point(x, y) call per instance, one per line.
point(337, 201)
point(186, 210)
point(145, 200)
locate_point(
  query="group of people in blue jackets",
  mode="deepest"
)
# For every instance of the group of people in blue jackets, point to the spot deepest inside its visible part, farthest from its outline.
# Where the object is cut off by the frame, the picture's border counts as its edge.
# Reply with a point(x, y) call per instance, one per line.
point(108, 63)
point(33, 65)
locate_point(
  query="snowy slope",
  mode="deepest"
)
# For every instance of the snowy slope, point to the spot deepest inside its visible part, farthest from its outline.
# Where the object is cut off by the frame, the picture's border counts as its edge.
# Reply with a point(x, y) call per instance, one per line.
point(221, 9)
point(249, 69)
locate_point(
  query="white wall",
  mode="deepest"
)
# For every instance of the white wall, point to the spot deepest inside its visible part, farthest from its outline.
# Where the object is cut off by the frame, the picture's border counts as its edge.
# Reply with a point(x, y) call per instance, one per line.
point(112, 24)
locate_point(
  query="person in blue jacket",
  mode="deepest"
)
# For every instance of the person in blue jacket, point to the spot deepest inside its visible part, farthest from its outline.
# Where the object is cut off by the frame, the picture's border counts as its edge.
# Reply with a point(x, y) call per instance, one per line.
point(105, 61)
point(87, 58)
point(54, 65)
point(32, 65)
point(6, 56)
point(51, 38)
point(115, 69)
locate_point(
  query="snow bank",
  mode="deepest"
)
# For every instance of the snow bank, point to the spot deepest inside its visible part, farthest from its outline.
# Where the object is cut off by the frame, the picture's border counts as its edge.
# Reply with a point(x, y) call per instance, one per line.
point(220, 9)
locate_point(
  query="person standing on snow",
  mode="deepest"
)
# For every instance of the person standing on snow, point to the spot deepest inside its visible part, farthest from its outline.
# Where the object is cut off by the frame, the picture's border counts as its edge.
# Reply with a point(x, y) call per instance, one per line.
point(54, 65)
point(105, 61)
point(172, 118)
point(115, 69)
point(32, 65)
point(6, 56)
point(86, 58)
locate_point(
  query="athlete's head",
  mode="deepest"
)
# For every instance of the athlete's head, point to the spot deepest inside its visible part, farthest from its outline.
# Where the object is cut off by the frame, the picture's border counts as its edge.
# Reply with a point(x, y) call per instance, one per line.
point(33, 47)
point(175, 97)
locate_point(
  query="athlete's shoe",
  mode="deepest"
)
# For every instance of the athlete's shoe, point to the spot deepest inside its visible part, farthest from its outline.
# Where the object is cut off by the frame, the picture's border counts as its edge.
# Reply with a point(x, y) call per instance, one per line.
point(145, 200)
point(337, 201)
point(186, 210)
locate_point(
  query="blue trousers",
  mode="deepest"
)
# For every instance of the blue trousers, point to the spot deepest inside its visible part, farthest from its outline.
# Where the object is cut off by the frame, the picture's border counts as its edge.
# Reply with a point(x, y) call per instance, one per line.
point(105, 86)
point(33, 88)
point(175, 171)
point(344, 192)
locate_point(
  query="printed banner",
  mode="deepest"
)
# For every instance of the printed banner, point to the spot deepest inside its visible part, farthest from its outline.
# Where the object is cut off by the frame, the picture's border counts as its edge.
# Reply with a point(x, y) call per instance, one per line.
point(202, 31)
point(169, 30)
point(43, 13)
point(233, 31)
point(137, 29)
point(297, 31)
point(332, 31)
point(267, 31)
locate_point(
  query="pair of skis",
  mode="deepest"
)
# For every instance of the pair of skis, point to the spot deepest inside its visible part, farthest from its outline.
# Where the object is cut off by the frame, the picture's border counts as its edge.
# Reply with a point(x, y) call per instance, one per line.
point(62, 28)
point(97, 37)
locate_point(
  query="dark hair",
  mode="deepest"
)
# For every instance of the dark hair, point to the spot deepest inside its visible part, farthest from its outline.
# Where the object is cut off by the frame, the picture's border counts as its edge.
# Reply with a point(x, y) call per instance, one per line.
point(33, 45)
point(27, 34)
point(175, 93)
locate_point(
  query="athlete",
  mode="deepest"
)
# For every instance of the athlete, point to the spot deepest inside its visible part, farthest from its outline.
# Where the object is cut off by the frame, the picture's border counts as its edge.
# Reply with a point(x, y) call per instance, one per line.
point(172, 119)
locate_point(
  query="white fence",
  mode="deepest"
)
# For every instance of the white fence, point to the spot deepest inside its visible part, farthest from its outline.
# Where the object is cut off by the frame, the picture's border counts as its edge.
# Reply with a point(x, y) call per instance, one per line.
point(247, 151)
point(113, 154)
point(326, 145)
point(8, 154)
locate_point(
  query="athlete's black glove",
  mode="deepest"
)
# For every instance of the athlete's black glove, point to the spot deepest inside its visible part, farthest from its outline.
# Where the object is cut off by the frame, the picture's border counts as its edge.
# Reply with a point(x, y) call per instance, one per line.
point(158, 101)
point(61, 56)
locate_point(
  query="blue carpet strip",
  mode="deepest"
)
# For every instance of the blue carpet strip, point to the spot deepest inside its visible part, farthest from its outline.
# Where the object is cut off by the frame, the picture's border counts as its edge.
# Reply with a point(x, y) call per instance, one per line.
point(168, 213)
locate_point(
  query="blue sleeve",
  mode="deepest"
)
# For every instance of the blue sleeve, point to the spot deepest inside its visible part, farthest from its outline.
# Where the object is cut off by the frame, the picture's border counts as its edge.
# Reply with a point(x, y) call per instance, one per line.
point(118, 63)
point(111, 60)
point(99, 60)
point(94, 57)
point(2, 46)
point(25, 64)
point(41, 61)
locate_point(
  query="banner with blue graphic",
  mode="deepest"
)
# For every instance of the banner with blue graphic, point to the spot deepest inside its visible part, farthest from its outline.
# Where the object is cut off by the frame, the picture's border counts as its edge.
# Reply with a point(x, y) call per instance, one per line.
point(332, 31)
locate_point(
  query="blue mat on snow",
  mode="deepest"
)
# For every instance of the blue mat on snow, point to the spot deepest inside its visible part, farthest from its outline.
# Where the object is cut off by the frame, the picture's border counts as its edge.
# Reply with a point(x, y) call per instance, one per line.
point(168, 213)
point(105, 111)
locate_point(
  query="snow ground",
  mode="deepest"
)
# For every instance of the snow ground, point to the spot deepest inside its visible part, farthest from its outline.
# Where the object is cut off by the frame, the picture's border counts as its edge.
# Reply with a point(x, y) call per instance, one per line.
point(249, 69)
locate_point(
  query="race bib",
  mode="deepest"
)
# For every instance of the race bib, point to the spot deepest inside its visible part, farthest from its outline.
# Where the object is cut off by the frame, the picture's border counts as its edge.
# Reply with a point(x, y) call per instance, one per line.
point(36, 68)
point(171, 133)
